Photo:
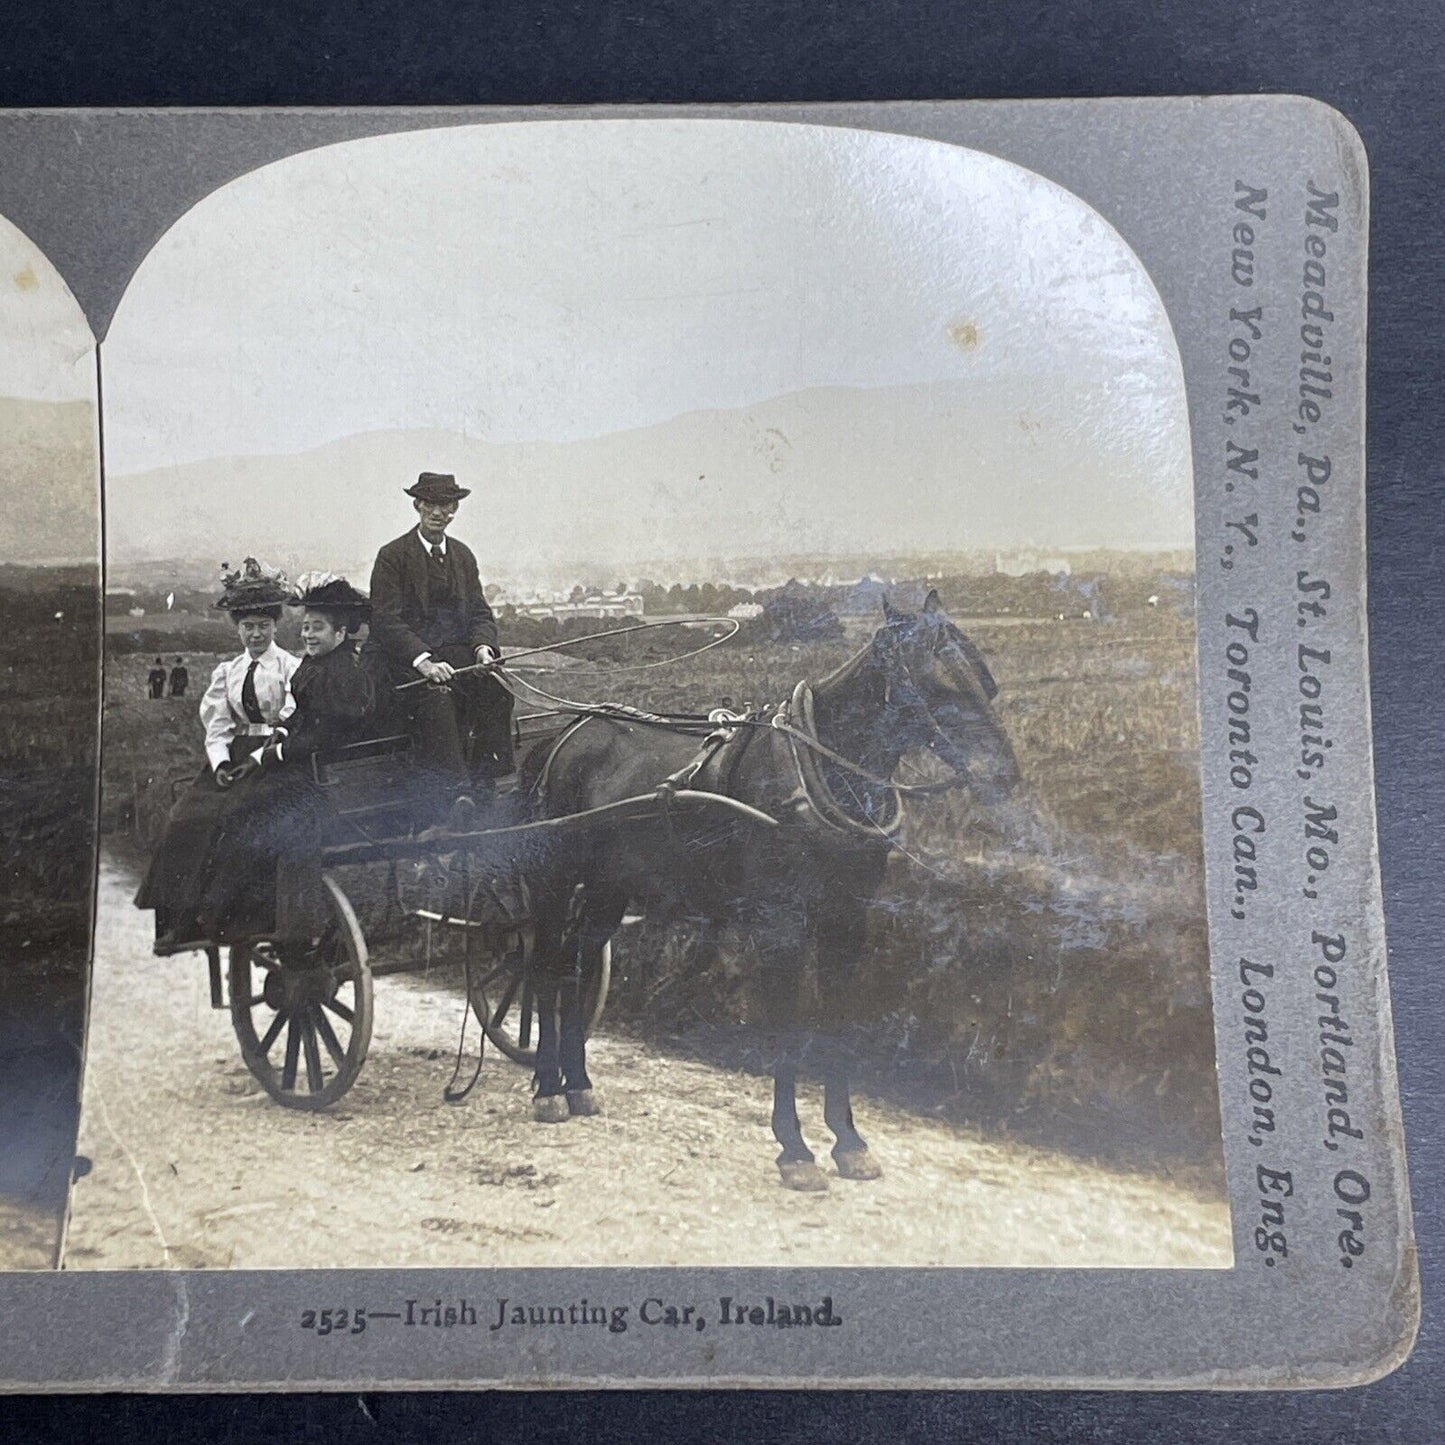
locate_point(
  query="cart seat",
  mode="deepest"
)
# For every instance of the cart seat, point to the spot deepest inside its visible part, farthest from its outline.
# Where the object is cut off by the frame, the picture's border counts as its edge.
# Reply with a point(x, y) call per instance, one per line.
point(368, 778)
point(339, 762)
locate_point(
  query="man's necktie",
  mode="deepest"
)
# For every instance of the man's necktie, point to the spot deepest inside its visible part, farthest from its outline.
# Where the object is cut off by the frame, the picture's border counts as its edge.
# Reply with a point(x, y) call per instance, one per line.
point(249, 701)
point(438, 557)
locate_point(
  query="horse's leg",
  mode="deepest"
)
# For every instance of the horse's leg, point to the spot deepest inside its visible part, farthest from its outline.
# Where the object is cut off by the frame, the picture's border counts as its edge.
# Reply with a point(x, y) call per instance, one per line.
point(839, 929)
point(850, 1153)
point(549, 1100)
point(778, 941)
point(601, 914)
point(797, 1163)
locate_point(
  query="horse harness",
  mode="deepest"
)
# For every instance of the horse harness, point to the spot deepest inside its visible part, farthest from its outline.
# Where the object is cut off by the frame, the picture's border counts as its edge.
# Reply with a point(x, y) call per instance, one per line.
point(812, 804)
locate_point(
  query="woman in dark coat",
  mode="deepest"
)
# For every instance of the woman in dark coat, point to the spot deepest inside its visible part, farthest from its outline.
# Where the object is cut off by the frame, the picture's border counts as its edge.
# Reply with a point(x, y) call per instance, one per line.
point(274, 807)
point(248, 699)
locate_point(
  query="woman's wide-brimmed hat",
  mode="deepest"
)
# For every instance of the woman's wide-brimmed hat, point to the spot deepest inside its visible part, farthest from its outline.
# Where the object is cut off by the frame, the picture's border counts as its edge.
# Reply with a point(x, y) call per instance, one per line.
point(437, 487)
point(252, 585)
point(326, 591)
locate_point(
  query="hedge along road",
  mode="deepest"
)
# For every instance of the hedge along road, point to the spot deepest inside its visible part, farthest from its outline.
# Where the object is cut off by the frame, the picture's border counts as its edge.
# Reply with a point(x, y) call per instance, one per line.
point(192, 1166)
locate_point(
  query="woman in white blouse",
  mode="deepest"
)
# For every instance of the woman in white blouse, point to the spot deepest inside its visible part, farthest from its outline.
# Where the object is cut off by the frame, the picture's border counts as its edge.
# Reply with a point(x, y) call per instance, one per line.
point(250, 695)
point(247, 702)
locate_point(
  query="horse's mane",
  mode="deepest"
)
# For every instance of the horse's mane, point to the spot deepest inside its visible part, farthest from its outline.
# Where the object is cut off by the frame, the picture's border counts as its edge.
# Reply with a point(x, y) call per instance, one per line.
point(847, 670)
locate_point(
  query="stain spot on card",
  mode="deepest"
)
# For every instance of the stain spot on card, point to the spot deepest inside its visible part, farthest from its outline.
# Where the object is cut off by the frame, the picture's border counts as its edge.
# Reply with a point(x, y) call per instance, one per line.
point(27, 280)
point(964, 334)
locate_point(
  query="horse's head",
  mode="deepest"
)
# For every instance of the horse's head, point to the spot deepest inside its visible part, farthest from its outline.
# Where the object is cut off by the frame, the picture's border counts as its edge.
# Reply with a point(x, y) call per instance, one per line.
point(940, 695)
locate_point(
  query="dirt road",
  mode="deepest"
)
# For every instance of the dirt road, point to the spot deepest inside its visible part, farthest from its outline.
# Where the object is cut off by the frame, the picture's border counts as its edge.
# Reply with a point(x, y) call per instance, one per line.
point(194, 1167)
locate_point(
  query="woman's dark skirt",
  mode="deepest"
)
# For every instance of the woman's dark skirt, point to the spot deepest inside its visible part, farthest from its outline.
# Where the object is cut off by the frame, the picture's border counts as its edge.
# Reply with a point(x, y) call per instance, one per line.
point(172, 884)
point(211, 830)
point(274, 816)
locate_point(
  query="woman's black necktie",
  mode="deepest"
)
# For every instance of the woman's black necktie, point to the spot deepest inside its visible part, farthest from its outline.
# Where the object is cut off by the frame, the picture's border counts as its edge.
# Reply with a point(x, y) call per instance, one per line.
point(250, 704)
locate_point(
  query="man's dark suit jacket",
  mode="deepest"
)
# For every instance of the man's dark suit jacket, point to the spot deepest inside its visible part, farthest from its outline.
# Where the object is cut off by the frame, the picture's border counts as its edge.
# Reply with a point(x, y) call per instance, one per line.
point(405, 623)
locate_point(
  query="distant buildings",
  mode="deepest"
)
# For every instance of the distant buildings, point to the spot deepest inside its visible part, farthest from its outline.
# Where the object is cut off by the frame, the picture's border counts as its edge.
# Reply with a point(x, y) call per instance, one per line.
point(1023, 563)
point(591, 604)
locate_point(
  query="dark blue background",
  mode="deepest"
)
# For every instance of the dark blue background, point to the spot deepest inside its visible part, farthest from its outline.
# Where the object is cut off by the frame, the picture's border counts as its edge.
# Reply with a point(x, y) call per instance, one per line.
point(1379, 61)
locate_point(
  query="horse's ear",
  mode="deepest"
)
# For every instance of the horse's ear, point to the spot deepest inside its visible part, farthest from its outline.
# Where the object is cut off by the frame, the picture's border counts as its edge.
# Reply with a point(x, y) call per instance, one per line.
point(889, 612)
point(931, 602)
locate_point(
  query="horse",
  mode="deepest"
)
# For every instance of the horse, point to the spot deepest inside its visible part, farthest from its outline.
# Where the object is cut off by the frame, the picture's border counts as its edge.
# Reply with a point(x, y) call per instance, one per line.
point(823, 767)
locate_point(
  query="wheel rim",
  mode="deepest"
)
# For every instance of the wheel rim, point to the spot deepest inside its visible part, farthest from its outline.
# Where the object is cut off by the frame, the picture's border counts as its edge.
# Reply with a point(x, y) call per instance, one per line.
point(304, 1019)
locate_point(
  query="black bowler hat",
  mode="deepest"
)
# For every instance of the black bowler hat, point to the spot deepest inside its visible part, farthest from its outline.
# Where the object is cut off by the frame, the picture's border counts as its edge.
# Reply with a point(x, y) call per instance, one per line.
point(437, 487)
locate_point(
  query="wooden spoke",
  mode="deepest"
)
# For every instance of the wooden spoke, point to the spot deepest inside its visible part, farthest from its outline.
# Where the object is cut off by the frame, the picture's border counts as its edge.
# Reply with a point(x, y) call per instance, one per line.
point(314, 1079)
point(273, 1033)
point(293, 1051)
point(505, 1002)
point(302, 981)
point(339, 1009)
point(526, 1010)
point(344, 971)
point(493, 974)
point(328, 1037)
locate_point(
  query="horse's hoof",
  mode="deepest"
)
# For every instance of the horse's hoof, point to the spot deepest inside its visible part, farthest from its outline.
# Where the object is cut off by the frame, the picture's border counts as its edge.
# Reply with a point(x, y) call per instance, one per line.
point(858, 1164)
point(583, 1103)
point(550, 1109)
point(803, 1175)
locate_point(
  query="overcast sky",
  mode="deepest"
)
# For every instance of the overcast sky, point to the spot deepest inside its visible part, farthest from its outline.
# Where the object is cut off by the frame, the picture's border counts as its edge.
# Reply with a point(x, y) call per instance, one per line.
point(49, 460)
point(559, 282)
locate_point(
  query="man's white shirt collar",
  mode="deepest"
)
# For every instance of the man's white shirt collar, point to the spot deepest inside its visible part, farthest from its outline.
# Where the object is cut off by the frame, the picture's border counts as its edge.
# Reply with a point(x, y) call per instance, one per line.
point(427, 546)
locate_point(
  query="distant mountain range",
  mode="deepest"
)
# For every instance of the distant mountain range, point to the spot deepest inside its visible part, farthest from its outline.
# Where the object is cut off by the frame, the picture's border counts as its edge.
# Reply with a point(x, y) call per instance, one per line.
point(49, 482)
point(830, 472)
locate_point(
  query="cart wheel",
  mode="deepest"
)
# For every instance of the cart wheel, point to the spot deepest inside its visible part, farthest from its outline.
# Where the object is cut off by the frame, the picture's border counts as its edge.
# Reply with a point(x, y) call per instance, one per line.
point(304, 1019)
point(503, 997)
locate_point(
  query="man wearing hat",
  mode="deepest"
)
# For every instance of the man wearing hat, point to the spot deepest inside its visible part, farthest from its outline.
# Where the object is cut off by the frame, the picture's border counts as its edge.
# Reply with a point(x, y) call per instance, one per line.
point(430, 618)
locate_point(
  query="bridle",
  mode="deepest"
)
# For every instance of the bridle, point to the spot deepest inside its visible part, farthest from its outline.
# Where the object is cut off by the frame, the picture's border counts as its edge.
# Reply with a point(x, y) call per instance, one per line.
point(815, 798)
point(903, 693)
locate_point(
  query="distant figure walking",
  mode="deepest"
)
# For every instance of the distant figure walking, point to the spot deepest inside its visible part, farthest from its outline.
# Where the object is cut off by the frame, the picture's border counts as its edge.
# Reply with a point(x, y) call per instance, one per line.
point(180, 678)
point(156, 679)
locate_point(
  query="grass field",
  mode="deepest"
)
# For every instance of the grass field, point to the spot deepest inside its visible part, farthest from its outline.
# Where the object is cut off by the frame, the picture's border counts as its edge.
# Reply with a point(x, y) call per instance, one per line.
point(50, 658)
point(1062, 987)
point(48, 739)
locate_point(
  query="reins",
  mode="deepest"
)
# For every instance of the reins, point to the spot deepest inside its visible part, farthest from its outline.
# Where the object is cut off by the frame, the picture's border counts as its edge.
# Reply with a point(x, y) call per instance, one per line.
point(785, 718)
point(729, 622)
point(812, 799)
point(776, 720)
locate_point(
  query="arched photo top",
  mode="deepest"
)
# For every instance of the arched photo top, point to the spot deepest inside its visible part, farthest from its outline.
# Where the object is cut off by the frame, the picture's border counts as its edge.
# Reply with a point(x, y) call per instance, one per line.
point(48, 443)
point(820, 337)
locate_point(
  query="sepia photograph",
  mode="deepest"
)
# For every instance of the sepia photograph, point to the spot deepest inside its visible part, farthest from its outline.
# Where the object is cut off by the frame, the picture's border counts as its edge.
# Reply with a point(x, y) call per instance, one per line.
point(650, 718)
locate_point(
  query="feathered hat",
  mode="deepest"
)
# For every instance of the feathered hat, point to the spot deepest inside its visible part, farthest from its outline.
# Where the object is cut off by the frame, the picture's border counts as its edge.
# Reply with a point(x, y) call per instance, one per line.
point(252, 585)
point(331, 592)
